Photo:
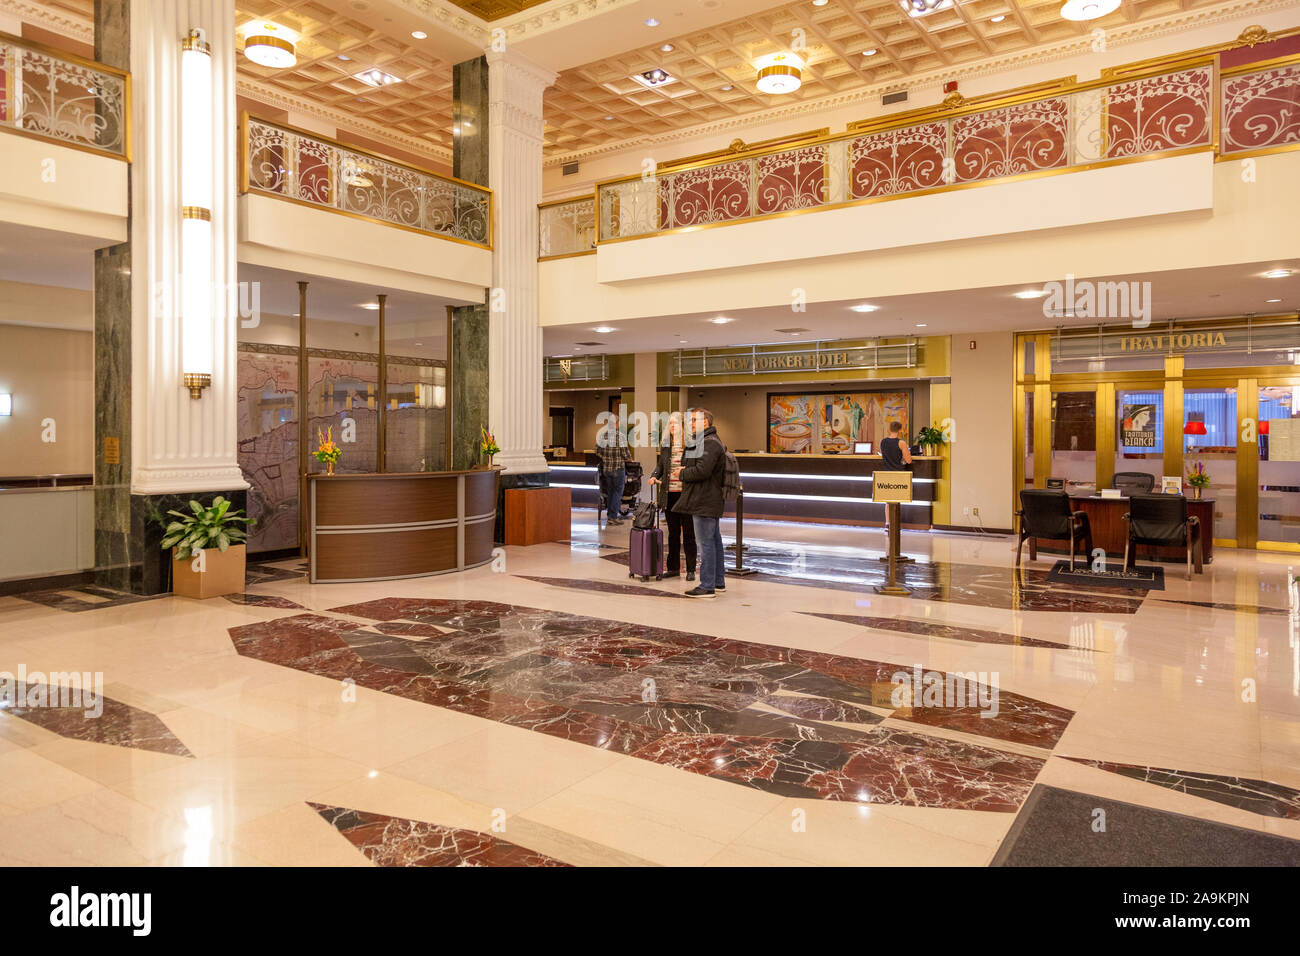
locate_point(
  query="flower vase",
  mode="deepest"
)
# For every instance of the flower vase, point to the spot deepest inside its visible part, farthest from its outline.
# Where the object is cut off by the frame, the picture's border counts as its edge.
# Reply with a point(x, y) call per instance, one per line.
point(1196, 493)
point(329, 468)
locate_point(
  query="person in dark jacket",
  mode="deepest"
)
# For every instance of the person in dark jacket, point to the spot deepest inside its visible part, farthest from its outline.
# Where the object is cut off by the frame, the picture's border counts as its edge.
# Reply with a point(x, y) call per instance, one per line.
point(667, 478)
point(703, 473)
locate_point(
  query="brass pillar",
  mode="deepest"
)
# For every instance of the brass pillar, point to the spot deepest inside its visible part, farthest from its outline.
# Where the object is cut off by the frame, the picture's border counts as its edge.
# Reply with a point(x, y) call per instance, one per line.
point(1105, 434)
point(1247, 462)
point(303, 437)
point(381, 439)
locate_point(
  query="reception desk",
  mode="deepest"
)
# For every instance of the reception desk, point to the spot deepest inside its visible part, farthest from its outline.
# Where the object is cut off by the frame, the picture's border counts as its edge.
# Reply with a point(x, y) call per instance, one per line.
point(379, 527)
point(831, 488)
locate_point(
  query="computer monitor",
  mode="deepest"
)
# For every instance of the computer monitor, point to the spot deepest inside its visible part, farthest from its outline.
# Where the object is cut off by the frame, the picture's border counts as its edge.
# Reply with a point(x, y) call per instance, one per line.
point(862, 448)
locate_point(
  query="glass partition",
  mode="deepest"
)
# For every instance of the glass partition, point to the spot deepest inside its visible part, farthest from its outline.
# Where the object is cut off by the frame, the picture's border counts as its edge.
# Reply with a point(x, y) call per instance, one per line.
point(1279, 464)
point(1074, 440)
point(416, 419)
point(1210, 439)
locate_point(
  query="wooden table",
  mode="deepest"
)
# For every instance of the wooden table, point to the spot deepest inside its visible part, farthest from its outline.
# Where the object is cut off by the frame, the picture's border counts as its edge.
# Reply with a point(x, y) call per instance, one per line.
point(377, 527)
point(534, 515)
point(1110, 530)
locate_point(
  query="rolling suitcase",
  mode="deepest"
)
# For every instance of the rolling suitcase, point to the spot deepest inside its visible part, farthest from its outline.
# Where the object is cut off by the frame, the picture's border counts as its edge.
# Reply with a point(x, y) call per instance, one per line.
point(646, 554)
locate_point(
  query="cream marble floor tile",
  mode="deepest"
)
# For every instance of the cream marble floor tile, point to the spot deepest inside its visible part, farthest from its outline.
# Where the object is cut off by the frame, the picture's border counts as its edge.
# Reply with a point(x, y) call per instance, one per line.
point(837, 833)
point(106, 764)
point(672, 817)
point(296, 836)
point(505, 767)
point(267, 775)
point(97, 828)
point(29, 781)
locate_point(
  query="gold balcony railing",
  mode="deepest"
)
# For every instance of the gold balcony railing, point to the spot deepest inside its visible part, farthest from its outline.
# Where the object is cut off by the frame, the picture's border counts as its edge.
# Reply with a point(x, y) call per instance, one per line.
point(315, 171)
point(566, 227)
point(54, 95)
point(1156, 109)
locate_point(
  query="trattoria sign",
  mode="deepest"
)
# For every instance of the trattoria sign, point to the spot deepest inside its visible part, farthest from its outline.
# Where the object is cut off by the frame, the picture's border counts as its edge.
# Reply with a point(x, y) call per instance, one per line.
point(1172, 342)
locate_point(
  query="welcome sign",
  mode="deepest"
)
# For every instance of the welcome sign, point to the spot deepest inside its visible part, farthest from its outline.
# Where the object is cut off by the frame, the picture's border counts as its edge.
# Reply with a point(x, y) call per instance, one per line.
point(891, 486)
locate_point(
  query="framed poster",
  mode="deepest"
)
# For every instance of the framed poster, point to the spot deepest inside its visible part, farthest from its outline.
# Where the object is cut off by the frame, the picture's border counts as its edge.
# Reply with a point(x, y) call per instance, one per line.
point(816, 423)
point(1138, 428)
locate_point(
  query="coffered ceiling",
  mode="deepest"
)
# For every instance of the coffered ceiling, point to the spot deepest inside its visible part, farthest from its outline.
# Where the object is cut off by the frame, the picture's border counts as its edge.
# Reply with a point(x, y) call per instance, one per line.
point(598, 104)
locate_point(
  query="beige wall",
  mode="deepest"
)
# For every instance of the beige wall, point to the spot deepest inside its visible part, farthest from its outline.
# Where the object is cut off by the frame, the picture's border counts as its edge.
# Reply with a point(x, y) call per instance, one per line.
point(983, 429)
point(586, 406)
point(50, 373)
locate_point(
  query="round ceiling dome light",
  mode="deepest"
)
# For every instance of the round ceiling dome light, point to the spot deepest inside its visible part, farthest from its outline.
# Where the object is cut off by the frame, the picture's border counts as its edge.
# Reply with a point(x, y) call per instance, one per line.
point(266, 45)
point(1088, 9)
point(779, 73)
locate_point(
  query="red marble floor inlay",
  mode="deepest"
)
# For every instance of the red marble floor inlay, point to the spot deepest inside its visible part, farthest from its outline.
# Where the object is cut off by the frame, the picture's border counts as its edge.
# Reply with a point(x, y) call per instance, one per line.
point(781, 719)
point(1245, 793)
point(397, 841)
point(952, 632)
point(119, 724)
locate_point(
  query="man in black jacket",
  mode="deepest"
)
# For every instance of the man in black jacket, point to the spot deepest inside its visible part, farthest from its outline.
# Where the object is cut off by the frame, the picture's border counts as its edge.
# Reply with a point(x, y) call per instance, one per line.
point(703, 473)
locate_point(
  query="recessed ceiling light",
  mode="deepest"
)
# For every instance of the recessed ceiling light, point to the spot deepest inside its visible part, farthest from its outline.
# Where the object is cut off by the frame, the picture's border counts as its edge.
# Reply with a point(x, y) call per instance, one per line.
point(419, 34)
point(1277, 273)
point(864, 307)
point(722, 320)
point(727, 88)
point(609, 117)
point(872, 52)
point(1030, 294)
point(923, 8)
point(653, 79)
point(666, 48)
point(1088, 9)
point(372, 306)
point(604, 329)
point(920, 325)
point(652, 22)
point(999, 18)
point(345, 57)
point(376, 78)
point(1270, 301)
point(820, 3)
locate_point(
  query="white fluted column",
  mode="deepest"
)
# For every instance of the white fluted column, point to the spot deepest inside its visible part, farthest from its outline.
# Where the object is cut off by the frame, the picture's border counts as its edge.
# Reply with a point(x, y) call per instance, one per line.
point(515, 86)
point(180, 444)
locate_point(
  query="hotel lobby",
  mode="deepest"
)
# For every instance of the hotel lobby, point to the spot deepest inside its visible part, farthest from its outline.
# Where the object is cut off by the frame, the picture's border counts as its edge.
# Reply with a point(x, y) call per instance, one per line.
point(327, 328)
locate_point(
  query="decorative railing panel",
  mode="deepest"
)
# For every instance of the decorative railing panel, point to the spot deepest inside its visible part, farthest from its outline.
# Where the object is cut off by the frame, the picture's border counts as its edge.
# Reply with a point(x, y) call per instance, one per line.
point(1159, 113)
point(1064, 127)
point(1261, 110)
point(64, 98)
point(897, 160)
point(567, 228)
point(1007, 142)
point(283, 162)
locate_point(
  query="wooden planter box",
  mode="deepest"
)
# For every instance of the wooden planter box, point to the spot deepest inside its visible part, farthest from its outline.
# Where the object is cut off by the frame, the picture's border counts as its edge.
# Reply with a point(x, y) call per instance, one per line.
point(223, 573)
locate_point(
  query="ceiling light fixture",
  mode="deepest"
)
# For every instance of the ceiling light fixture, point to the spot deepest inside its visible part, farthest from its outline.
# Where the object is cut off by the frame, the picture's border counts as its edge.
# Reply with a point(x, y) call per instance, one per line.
point(923, 8)
point(1277, 273)
point(722, 320)
point(604, 329)
point(653, 79)
point(864, 307)
point(376, 78)
point(1031, 294)
point(920, 325)
point(666, 48)
point(779, 73)
point(1272, 301)
point(372, 306)
point(999, 18)
point(652, 22)
point(419, 35)
point(727, 88)
point(820, 3)
point(1088, 9)
point(872, 52)
point(267, 45)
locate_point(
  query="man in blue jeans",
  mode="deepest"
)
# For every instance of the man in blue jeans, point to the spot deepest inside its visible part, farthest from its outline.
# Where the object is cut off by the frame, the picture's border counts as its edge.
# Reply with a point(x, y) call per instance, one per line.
point(703, 473)
point(611, 446)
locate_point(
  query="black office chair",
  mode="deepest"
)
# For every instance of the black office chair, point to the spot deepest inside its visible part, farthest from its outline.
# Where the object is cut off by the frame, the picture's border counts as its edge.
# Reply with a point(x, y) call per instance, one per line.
point(1133, 482)
point(1163, 520)
point(1046, 514)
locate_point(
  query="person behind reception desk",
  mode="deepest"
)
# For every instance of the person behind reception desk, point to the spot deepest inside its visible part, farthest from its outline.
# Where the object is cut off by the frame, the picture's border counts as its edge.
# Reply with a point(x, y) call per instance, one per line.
point(895, 454)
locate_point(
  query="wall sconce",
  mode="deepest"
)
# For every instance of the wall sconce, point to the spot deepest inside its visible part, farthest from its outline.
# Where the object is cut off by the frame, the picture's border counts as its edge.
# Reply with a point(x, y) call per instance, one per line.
point(6, 404)
point(196, 213)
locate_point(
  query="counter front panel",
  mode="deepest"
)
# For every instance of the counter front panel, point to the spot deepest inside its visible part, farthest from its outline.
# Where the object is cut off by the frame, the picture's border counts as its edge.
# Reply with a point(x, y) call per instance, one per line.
point(376, 527)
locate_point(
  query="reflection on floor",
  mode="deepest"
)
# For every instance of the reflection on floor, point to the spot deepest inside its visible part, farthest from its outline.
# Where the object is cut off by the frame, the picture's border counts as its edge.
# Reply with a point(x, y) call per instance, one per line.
point(553, 715)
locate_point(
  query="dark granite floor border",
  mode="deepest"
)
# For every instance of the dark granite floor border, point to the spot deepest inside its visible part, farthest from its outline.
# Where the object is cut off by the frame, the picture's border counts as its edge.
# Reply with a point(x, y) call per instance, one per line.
point(1055, 828)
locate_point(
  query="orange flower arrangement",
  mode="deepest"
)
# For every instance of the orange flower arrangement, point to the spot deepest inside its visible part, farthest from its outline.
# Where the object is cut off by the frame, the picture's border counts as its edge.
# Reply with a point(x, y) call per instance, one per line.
point(326, 451)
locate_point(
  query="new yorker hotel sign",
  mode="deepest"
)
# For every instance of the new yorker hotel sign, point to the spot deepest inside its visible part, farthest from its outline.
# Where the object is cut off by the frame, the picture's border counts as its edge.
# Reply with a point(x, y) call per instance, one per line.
point(779, 361)
point(818, 359)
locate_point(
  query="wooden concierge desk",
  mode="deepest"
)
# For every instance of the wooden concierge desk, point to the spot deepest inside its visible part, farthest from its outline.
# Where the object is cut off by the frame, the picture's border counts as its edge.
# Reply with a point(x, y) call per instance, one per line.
point(375, 527)
point(831, 488)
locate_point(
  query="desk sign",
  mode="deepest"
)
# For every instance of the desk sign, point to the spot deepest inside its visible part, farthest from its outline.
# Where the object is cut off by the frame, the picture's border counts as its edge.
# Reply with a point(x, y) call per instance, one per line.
point(891, 486)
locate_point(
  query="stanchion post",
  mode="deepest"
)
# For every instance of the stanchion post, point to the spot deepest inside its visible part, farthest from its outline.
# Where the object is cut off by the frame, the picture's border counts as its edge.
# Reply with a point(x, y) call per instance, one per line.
point(740, 568)
point(891, 585)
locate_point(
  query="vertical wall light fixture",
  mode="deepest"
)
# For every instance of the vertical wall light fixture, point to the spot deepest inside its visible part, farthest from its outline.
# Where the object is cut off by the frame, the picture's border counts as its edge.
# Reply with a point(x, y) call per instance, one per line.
point(196, 296)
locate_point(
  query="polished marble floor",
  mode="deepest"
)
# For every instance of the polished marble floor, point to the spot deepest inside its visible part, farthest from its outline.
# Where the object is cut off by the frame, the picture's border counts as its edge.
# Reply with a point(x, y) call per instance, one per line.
point(555, 712)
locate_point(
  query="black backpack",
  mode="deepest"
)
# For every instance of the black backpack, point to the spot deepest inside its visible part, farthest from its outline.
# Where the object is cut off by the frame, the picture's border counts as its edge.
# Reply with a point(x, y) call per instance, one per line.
point(731, 486)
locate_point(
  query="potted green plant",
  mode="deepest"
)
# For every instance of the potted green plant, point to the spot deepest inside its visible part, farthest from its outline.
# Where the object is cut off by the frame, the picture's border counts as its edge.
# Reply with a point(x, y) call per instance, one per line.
point(930, 438)
point(207, 549)
point(1198, 478)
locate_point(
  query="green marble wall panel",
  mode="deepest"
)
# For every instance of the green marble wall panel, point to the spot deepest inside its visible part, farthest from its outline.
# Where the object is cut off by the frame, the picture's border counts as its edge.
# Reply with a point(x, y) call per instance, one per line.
point(469, 383)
